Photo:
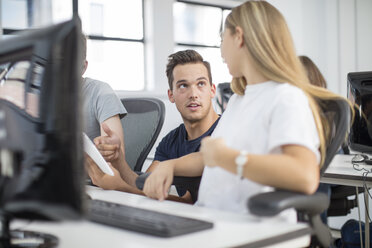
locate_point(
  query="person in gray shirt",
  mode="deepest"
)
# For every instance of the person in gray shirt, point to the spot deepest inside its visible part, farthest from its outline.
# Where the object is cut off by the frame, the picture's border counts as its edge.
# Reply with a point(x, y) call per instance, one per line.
point(100, 106)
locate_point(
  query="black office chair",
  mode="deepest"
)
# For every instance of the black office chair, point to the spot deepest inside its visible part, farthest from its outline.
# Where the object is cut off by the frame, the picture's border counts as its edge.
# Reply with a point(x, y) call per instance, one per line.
point(141, 128)
point(341, 203)
point(309, 207)
point(224, 92)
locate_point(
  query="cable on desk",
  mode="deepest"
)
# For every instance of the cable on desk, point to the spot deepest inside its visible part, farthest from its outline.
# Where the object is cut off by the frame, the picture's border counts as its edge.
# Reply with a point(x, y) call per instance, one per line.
point(365, 174)
point(360, 222)
point(358, 167)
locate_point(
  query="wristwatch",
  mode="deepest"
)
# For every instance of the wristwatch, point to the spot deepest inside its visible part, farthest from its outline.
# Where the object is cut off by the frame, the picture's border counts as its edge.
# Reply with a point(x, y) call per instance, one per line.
point(240, 161)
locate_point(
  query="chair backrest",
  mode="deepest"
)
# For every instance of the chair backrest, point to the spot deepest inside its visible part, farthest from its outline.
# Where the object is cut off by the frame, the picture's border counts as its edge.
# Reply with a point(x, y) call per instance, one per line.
point(224, 92)
point(141, 127)
point(338, 114)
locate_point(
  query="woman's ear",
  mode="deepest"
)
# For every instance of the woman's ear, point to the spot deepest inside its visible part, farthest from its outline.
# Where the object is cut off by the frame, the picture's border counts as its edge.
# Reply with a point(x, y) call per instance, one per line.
point(239, 36)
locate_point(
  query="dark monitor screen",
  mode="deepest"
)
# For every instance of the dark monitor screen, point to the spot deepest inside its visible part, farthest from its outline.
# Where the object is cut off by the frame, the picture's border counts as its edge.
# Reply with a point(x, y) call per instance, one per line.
point(41, 156)
point(360, 93)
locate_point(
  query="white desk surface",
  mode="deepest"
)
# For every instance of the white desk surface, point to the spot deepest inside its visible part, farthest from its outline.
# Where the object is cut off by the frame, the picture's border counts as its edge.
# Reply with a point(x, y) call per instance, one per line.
point(229, 229)
point(341, 172)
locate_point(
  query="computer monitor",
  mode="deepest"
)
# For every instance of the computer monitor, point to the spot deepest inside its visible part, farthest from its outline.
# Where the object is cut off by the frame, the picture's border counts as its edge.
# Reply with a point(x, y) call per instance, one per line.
point(360, 93)
point(41, 156)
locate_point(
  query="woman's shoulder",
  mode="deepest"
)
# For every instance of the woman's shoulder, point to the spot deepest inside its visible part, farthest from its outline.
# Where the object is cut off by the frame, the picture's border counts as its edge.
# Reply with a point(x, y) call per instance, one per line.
point(286, 94)
point(286, 87)
point(289, 90)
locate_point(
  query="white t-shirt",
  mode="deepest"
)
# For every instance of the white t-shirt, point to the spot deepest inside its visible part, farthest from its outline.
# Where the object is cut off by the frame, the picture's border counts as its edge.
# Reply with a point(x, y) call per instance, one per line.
point(268, 116)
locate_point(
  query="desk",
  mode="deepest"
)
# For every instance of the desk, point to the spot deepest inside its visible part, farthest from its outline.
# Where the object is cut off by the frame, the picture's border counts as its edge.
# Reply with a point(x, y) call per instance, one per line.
point(229, 230)
point(341, 172)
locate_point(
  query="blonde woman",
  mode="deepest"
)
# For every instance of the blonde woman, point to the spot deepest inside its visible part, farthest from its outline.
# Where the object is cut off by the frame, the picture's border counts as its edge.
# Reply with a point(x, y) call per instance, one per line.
point(271, 134)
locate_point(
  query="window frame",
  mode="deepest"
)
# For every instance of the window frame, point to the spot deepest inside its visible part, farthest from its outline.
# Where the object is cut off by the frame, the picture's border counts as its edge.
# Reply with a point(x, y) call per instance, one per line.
point(75, 12)
point(112, 38)
point(9, 31)
point(221, 7)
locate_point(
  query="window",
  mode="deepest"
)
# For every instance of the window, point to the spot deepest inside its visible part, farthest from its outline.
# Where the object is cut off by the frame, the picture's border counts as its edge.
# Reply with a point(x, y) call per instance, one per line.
point(119, 63)
point(198, 26)
point(23, 14)
point(14, 14)
point(114, 28)
point(115, 48)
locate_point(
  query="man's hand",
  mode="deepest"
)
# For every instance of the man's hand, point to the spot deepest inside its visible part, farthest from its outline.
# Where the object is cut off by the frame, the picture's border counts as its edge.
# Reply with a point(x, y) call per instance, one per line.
point(108, 146)
point(158, 183)
point(103, 180)
point(210, 148)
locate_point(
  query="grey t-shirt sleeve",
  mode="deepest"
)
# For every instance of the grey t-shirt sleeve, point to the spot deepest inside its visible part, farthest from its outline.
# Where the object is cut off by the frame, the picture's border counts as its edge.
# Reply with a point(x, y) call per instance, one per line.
point(99, 103)
point(108, 104)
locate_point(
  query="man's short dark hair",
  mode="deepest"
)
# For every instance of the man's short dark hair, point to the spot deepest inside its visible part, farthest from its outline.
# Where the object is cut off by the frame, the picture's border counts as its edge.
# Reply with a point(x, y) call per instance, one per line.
point(185, 57)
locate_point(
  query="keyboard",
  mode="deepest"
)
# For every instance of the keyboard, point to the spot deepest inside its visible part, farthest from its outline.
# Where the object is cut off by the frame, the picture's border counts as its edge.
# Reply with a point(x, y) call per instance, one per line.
point(142, 220)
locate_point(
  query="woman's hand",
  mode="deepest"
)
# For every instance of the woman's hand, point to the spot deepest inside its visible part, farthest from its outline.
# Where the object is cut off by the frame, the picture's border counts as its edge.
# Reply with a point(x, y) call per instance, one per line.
point(211, 150)
point(158, 183)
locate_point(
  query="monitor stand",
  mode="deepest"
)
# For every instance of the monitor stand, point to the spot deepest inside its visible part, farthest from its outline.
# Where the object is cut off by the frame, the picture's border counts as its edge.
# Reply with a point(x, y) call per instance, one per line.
point(19, 238)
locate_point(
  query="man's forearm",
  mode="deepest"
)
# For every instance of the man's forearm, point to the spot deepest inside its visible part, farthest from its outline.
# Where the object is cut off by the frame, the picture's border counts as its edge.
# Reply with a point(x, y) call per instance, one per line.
point(190, 165)
point(130, 189)
point(126, 173)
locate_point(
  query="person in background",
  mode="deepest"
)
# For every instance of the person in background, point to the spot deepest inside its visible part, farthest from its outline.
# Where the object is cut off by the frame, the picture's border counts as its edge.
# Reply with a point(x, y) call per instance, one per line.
point(315, 76)
point(191, 90)
point(271, 134)
point(100, 105)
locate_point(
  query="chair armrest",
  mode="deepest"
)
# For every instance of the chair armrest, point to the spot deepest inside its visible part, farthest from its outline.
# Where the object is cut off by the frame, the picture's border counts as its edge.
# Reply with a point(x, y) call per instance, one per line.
point(272, 203)
point(177, 181)
point(309, 206)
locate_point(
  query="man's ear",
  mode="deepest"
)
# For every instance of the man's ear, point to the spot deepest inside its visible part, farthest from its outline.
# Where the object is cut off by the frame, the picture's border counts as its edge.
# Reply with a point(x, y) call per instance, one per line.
point(213, 90)
point(239, 36)
point(170, 96)
point(85, 66)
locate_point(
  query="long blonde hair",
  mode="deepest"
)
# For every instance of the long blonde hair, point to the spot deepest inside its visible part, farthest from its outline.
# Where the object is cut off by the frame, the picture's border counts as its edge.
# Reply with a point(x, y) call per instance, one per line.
point(269, 42)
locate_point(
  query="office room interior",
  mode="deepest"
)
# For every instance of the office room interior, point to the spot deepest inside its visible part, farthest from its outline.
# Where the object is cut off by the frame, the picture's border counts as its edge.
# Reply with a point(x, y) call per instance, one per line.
point(129, 42)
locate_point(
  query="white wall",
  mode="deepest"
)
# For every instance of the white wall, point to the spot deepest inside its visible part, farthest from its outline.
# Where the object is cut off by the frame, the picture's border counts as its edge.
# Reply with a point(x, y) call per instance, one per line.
point(364, 35)
point(335, 34)
point(159, 42)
